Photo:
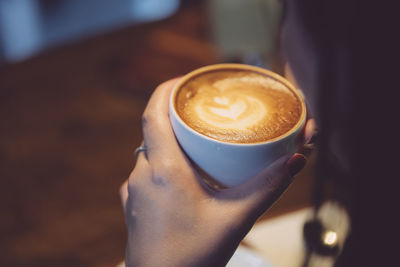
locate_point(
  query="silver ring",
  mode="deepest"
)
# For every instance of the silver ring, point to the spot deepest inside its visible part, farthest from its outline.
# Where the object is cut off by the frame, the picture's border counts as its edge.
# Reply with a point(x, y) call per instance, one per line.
point(140, 149)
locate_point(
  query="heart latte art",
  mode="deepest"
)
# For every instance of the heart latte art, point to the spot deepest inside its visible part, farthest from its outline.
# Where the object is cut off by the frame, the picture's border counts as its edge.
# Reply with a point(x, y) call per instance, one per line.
point(237, 106)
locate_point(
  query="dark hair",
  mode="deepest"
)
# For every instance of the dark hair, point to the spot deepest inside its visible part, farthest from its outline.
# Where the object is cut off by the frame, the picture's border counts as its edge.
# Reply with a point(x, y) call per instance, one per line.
point(356, 106)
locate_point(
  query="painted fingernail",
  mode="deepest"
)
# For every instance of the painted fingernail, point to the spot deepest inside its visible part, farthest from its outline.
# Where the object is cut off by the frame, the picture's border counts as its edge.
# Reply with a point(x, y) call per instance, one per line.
point(296, 163)
point(310, 132)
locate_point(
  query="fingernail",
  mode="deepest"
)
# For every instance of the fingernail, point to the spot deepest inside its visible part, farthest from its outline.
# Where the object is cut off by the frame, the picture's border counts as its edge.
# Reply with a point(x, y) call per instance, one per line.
point(313, 138)
point(295, 164)
point(310, 132)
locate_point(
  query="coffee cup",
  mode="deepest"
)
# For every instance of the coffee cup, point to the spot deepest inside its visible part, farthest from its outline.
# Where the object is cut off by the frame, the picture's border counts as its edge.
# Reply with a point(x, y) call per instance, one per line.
point(234, 120)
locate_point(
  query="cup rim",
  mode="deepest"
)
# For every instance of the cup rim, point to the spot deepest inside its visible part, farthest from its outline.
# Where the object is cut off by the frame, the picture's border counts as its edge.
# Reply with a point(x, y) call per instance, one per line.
point(235, 66)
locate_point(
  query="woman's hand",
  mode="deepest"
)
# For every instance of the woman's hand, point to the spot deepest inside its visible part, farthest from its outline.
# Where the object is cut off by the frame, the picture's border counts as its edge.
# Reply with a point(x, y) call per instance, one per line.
point(173, 217)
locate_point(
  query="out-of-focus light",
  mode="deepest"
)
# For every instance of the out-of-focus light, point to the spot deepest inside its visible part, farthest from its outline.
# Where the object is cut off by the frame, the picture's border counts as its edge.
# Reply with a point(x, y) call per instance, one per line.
point(330, 238)
point(147, 10)
point(30, 26)
point(20, 29)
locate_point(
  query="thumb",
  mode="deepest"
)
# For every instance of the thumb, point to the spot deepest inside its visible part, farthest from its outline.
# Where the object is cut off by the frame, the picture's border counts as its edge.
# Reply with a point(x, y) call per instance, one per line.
point(258, 194)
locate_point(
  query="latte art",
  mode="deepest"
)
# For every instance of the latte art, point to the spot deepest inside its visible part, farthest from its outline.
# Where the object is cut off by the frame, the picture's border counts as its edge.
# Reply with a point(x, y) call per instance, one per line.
point(233, 111)
point(237, 106)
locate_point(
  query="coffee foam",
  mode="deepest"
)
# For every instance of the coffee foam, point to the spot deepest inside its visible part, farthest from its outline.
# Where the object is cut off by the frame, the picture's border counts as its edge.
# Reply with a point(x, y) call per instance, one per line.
point(238, 106)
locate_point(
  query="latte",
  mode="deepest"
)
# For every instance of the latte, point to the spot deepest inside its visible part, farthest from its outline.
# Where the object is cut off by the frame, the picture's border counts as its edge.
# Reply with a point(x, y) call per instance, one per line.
point(238, 106)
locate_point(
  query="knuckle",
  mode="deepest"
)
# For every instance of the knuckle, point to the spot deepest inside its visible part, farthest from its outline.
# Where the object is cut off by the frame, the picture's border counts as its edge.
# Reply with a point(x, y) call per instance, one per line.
point(166, 171)
point(148, 118)
point(159, 180)
point(145, 118)
point(167, 166)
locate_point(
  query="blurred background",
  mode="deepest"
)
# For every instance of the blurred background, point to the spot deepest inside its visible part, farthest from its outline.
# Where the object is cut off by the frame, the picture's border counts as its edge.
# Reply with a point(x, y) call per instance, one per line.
point(75, 76)
point(240, 29)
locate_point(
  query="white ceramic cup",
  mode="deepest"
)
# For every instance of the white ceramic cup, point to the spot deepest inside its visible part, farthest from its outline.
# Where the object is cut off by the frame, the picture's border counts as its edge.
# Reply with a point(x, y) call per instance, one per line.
point(233, 163)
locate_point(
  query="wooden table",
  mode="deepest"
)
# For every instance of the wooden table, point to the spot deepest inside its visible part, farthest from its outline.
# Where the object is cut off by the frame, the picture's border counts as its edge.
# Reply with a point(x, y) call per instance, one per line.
point(70, 121)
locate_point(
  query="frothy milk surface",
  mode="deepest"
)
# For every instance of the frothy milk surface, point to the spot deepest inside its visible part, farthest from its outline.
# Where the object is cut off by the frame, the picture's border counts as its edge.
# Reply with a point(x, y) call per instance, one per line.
point(237, 106)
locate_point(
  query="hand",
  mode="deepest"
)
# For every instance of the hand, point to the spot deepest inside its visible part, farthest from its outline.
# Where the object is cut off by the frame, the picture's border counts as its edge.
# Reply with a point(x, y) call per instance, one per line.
point(173, 217)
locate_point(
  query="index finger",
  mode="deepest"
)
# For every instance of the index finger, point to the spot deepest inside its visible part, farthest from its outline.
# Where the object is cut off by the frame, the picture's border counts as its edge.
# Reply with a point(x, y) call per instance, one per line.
point(158, 134)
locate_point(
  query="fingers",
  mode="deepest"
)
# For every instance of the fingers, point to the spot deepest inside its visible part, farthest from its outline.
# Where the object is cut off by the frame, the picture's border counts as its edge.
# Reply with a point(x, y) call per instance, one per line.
point(123, 192)
point(141, 169)
point(308, 138)
point(158, 135)
point(309, 131)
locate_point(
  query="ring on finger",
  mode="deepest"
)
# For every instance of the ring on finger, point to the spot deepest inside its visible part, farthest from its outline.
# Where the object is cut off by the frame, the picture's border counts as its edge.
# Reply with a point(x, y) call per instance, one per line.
point(140, 149)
